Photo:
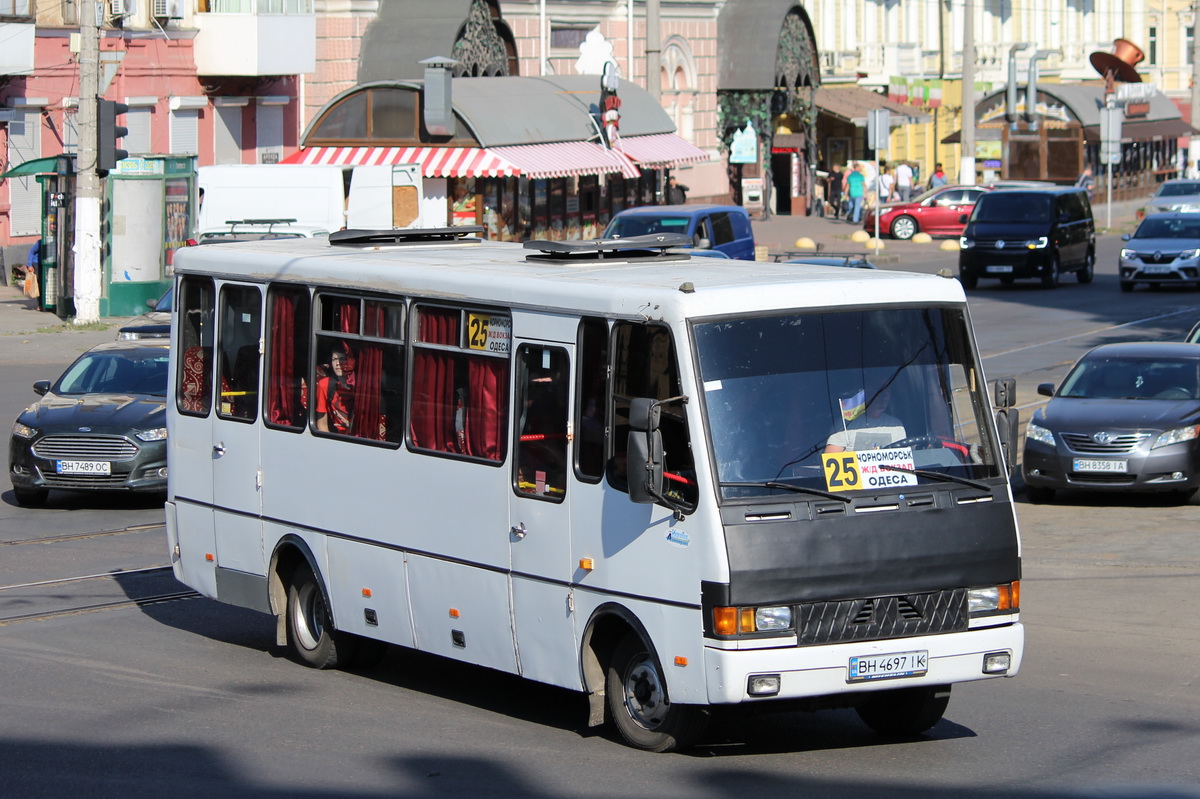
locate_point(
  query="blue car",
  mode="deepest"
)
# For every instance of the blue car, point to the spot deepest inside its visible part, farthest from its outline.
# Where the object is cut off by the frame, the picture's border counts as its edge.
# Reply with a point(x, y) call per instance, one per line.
point(724, 228)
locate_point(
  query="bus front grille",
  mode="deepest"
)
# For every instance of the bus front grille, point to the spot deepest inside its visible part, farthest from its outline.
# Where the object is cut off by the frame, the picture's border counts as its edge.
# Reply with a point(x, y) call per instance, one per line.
point(881, 617)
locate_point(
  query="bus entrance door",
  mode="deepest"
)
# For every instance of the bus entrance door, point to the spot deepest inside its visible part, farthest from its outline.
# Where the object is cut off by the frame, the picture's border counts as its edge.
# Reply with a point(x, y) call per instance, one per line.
point(235, 462)
point(540, 533)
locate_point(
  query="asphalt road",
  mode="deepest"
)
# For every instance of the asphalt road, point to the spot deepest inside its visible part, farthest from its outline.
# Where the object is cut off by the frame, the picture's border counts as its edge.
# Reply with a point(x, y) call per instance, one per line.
point(187, 697)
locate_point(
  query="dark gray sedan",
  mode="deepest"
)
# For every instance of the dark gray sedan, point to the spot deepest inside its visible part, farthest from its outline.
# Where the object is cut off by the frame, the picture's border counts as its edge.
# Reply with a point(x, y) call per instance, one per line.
point(101, 426)
point(1164, 250)
point(1127, 418)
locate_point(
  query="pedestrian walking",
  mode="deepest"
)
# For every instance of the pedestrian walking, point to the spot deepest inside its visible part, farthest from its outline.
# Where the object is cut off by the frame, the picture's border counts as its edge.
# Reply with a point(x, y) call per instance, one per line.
point(904, 181)
point(856, 186)
point(833, 190)
point(938, 178)
point(1086, 181)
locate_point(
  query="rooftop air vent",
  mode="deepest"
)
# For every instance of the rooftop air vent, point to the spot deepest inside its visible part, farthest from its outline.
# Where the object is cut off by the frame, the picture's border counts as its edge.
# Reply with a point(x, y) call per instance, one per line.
point(651, 247)
point(464, 234)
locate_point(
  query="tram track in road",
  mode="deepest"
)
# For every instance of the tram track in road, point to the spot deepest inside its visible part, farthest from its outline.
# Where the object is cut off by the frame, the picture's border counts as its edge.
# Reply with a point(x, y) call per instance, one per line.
point(32, 600)
point(50, 539)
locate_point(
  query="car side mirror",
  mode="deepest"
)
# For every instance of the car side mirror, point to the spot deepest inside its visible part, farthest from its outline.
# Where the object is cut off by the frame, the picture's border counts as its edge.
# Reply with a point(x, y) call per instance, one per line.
point(41, 387)
point(1125, 237)
point(703, 244)
point(151, 303)
point(962, 219)
point(1046, 389)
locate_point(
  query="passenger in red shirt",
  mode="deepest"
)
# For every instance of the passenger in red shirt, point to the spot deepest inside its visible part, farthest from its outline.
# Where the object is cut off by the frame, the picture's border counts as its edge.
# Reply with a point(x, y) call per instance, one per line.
point(335, 395)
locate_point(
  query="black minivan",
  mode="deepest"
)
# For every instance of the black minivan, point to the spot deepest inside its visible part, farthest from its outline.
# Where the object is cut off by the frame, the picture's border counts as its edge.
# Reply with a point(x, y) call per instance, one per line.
point(1021, 233)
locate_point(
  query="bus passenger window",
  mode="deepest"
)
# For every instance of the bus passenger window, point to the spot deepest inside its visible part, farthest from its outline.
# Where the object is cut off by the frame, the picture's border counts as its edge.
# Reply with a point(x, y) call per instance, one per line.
point(644, 365)
point(593, 399)
point(288, 336)
point(542, 432)
point(241, 331)
point(358, 378)
point(197, 332)
point(460, 382)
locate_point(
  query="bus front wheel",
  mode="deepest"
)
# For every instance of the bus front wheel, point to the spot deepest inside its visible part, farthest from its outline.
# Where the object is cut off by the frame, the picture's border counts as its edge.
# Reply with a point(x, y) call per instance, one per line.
point(638, 703)
point(905, 711)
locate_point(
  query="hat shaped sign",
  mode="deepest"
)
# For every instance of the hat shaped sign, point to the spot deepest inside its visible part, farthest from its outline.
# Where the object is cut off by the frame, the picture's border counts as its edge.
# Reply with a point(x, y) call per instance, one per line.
point(1121, 63)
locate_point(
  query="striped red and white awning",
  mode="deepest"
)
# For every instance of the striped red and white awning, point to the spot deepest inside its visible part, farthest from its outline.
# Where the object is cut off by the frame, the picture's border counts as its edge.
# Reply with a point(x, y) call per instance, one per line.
point(550, 160)
point(436, 162)
point(661, 149)
point(567, 158)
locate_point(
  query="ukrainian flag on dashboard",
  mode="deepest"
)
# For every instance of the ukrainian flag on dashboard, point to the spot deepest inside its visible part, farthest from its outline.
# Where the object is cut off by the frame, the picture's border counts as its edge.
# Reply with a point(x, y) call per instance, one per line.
point(853, 407)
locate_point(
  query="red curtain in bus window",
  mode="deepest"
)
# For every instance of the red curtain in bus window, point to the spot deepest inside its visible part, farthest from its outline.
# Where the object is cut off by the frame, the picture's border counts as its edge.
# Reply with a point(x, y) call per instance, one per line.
point(433, 397)
point(485, 422)
point(368, 383)
point(282, 402)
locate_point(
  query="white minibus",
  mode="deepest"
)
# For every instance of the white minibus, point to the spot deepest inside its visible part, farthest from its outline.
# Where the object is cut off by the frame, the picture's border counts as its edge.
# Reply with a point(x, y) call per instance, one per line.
point(667, 483)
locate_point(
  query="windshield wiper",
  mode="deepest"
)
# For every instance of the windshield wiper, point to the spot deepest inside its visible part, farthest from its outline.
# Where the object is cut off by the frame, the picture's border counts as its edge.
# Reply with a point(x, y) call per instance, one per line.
point(786, 487)
point(938, 476)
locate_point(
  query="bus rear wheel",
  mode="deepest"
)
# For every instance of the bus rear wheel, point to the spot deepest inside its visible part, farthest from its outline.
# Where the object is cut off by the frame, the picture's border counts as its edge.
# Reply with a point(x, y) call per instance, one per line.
point(905, 711)
point(310, 632)
point(638, 703)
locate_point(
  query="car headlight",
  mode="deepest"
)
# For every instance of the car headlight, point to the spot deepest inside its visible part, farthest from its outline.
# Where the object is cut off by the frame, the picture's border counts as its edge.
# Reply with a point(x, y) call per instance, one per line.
point(1177, 436)
point(23, 430)
point(964, 243)
point(1038, 243)
point(994, 598)
point(1128, 254)
point(1188, 255)
point(1035, 432)
point(157, 434)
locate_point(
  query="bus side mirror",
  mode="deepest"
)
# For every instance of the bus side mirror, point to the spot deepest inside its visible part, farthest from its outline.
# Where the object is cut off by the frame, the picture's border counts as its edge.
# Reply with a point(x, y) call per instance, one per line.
point(1004, 392)
point(1007, 422)
point(644, 456)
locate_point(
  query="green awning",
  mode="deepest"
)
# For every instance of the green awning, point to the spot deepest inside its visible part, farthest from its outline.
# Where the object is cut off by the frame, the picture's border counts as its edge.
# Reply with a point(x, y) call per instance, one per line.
point(34, 166)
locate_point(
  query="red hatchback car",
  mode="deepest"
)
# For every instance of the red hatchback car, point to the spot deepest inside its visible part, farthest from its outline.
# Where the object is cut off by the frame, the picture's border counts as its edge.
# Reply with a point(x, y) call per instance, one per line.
point(935, 212)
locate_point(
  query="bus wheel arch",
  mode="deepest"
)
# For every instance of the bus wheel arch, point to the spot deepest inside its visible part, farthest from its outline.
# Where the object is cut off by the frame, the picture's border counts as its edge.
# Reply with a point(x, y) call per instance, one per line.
point(608, 625)
point(291, 551)
point(628, 685)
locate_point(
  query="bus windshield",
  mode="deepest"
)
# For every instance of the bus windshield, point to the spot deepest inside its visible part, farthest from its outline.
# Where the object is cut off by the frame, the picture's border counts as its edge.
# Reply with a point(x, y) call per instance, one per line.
point(896, 390)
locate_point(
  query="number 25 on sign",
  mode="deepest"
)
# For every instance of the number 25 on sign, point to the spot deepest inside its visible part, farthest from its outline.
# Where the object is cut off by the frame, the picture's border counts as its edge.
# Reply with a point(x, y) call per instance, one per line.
point(842, 471)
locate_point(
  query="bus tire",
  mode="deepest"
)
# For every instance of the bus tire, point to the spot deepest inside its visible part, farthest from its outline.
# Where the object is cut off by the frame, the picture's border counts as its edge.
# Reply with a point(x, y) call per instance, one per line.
point(638, 704)
point(905, 711)
point(310, 632)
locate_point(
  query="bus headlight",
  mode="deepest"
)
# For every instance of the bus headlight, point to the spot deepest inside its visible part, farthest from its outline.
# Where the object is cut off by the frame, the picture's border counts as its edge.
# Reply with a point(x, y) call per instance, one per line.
point(742, 621)
point(1039, 243)
point(994, 598)
point(964, 243)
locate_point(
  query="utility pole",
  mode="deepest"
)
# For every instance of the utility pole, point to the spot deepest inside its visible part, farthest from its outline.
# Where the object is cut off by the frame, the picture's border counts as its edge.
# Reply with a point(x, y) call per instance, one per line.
point(653, 51)
point(87, 181)
point(1194, 142)
point(966, 172)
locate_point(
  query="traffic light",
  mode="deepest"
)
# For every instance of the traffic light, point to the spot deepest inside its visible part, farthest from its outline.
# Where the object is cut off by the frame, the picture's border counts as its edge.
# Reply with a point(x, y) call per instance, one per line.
point(107, 133)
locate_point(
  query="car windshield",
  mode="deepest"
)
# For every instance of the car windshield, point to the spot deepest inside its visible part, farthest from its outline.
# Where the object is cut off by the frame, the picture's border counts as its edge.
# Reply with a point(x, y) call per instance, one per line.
point(899, 385)
point(166, 301)
point(639, 225)
point(1008, 206)
point(1152, 228)
point(1104, 377)
point(1178, 189)
point(128, 372)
